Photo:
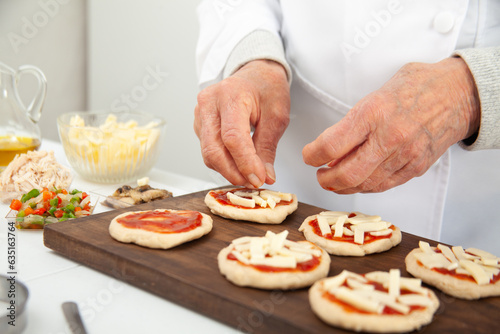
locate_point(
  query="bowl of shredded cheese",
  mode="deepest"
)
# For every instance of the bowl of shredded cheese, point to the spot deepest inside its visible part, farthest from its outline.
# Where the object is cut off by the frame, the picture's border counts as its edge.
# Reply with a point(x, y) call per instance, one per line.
point(111, 147)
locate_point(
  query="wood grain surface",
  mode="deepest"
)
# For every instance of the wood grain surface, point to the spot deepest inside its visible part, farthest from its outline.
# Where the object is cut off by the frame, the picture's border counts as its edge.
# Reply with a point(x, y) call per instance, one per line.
point(189, 276)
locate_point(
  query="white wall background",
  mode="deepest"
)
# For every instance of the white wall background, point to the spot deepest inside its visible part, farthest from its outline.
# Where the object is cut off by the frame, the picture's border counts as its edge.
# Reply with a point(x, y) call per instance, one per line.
point(142, 56)
point(49, 34)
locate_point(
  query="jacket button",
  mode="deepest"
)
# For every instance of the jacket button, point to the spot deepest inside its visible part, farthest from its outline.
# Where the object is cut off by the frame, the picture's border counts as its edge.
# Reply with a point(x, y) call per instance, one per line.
point(444, 22)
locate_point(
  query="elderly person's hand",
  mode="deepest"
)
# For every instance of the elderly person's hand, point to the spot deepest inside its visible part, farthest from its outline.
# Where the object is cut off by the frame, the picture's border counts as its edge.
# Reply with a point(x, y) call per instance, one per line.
point(399, 131)
point(256, 96)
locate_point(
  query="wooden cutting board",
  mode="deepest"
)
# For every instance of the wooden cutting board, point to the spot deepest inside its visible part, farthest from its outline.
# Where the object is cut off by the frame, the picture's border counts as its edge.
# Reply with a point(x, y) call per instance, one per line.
point(189, 276)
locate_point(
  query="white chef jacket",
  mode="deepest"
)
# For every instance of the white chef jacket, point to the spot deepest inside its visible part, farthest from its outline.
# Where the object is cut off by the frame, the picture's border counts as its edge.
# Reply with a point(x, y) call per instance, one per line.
point(340, 51)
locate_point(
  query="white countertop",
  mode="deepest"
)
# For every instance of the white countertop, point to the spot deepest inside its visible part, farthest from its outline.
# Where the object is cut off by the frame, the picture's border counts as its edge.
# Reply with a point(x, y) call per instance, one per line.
point(107, 305)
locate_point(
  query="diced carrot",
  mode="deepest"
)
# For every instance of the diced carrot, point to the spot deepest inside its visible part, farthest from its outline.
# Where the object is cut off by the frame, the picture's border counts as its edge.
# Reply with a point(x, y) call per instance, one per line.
point(28, 211)
point(16, 204)
point(78, 209)
point(47, 195)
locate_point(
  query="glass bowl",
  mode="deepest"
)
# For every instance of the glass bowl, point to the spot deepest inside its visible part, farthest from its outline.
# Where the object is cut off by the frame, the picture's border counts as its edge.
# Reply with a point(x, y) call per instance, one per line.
point(111, 147)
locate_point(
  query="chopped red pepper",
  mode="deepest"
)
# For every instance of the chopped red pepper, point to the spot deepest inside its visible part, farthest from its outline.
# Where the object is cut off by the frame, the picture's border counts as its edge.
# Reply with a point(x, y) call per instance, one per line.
point(40, 211)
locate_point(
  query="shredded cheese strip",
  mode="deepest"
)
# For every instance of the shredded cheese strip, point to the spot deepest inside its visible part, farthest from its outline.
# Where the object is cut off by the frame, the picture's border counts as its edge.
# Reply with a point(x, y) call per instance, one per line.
point(263, 198)
point(333, 222)
point(274, 249)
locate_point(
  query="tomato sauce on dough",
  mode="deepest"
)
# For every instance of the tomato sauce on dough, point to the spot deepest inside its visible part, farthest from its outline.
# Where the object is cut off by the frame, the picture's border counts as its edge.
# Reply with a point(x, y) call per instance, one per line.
point(162, 221)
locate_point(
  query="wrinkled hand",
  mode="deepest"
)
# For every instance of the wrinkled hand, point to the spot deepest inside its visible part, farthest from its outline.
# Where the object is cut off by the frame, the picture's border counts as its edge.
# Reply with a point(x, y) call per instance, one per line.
point(257, 96)
point(399, 131)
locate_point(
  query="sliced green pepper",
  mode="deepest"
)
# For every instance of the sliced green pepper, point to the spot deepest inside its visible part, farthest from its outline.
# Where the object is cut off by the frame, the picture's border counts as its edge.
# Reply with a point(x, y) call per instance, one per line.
point(54, 201)
point(52, 210)
point(31, 194)
point(70, 207)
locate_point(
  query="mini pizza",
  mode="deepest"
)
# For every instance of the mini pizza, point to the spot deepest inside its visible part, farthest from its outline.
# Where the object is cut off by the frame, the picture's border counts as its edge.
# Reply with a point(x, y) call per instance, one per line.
point(160, 228)
point(255, 205)
point(468, 274)
point(350, 234)
point(376, 302)
point(273, 262)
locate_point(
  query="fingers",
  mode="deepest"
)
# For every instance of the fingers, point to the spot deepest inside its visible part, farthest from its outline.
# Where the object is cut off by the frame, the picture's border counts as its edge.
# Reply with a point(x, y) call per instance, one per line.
point(336, 142)
point(362, 171)
point(269, 130)
point(256, 95)
point(214, 153)
point(235, 134)
point(360, 167)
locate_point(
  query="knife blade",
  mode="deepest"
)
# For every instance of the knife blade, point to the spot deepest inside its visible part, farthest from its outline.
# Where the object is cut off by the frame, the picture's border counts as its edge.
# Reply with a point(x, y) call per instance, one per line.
point(72, 315)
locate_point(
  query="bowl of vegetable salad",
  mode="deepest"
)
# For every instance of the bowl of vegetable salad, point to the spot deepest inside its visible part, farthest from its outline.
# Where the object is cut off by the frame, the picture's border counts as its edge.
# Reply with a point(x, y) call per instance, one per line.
point(37, 207)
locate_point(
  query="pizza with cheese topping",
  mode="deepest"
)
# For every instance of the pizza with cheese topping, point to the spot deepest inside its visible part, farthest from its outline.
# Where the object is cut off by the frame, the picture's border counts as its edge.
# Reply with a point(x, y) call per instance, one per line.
point(376, 302)
point(350, 233)
point(255, 205)
point(160, 228)
point(273, 262)
point(469, 274)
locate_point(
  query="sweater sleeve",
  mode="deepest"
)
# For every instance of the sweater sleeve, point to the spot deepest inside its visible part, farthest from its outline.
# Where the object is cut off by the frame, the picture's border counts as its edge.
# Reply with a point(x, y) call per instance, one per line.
point(484, 64)
point(259, 44)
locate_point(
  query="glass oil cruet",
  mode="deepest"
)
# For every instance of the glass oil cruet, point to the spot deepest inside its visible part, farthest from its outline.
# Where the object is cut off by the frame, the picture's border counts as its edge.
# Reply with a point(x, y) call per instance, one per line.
point(19, 132)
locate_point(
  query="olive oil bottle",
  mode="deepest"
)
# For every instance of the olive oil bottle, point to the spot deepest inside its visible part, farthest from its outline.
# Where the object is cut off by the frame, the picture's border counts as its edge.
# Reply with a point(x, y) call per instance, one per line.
point(10, 146)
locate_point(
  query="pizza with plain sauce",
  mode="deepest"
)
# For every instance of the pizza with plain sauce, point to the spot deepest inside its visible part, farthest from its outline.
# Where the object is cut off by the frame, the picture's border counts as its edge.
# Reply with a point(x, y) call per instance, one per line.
point(160, 228)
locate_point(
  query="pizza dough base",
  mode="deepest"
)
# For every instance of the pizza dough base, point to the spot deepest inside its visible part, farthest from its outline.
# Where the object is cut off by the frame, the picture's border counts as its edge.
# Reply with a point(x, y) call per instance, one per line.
point(448, 284)
point(243, 275)
point(157, 240)
point(334, 314)
point(346, 248)
point(259, 215)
